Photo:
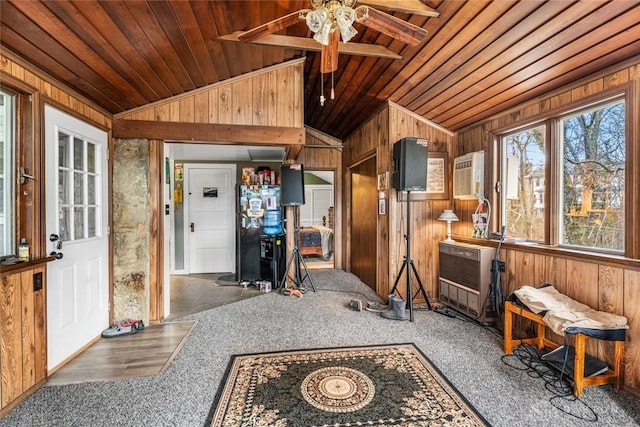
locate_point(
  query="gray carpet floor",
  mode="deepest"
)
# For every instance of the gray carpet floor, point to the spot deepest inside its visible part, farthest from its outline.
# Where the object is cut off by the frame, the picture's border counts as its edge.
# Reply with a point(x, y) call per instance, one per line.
point(468, 354)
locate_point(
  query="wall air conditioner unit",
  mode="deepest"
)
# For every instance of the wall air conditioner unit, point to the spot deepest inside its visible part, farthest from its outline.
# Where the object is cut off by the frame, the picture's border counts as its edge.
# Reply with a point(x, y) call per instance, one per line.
point(468, 176)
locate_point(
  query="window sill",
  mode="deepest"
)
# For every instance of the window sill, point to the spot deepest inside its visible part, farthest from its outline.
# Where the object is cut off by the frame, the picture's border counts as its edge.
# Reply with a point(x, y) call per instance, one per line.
point(26, 265)
point(539, 248)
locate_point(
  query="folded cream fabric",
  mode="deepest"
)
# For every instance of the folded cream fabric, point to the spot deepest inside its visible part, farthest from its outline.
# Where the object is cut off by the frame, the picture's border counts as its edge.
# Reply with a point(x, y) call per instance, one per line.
point(563, 312)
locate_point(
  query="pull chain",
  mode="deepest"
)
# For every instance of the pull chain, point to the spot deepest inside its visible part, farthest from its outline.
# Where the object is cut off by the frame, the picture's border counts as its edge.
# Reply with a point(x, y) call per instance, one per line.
point(322, 98)
point(333, 92)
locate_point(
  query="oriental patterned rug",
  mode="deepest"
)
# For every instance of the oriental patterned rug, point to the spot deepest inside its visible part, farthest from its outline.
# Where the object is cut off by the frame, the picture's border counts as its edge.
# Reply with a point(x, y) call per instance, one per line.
point(386, 385)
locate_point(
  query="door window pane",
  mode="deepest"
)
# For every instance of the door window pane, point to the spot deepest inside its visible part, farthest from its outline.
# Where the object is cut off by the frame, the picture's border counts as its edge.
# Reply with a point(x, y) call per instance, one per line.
point(91, 189)
point(524, 184)
point(91, 222)
point(63, 150)
point(593, 178)
point(78, 223)
point(64, 223)
point(78, 154)
point(91, 157)
point(63, 183)
point(78, 188)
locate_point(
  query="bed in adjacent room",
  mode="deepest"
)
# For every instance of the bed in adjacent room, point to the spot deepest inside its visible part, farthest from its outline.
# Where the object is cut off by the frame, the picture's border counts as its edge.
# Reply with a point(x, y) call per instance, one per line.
point(316, 240)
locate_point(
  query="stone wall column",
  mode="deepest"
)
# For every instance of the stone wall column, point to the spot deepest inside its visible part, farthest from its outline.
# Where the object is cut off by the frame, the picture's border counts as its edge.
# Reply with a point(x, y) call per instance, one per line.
point(131, 225)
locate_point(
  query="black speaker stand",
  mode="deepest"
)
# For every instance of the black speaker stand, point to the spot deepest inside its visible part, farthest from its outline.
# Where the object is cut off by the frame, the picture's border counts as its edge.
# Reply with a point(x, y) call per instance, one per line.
point(408, 262)
point(296, 257)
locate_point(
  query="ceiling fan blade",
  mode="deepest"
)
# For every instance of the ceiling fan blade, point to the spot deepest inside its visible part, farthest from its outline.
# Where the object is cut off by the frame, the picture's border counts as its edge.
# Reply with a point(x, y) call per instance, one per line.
point(270, 27)
point(394, 27)
point(329, 54)
point(414, 7)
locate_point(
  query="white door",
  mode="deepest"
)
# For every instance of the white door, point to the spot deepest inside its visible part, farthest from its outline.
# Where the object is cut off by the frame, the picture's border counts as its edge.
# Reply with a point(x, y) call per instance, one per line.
point(76, 212)
point(318, 199)
point(211, 223)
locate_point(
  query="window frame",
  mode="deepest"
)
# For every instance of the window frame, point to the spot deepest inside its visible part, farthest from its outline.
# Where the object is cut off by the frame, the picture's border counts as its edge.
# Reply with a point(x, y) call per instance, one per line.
point(559, 196)
point(554, 158)
point(28, 149)
point(9, 176)
point(502, 171)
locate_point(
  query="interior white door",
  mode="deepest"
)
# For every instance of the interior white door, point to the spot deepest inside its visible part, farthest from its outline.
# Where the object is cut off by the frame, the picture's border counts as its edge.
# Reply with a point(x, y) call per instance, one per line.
point(211, 225)
point(76, 225)
point(318, 199)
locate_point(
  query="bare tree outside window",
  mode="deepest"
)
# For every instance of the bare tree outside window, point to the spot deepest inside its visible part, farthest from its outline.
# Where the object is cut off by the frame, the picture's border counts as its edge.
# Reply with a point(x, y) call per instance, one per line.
point(524, 184)
point(594, 178)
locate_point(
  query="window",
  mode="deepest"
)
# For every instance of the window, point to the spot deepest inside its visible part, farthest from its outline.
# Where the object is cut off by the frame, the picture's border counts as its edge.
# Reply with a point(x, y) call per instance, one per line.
point(587, 155)
point(78, 187)
point(7, 173)
point(524, 183)
point(592, 178)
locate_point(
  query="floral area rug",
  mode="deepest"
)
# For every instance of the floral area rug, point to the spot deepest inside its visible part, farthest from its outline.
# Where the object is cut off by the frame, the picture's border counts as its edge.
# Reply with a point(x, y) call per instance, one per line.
point(386, 385)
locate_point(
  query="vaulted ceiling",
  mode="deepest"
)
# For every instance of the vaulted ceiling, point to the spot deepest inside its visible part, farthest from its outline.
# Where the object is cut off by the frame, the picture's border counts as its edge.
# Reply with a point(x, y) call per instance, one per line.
point(479, 57)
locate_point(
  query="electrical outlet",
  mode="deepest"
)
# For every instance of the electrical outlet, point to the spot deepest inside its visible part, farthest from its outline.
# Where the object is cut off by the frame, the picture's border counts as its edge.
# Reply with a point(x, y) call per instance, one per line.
point(37, 281)
point(502, 266)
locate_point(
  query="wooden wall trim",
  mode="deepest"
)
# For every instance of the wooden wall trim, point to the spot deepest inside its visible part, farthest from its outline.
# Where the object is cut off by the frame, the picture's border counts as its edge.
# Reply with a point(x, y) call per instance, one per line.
point(156, 233)
point(420, 118)
point(323, 137)
point(208, 132)
point(53, 102)
point(326, 156)
point(632, 214)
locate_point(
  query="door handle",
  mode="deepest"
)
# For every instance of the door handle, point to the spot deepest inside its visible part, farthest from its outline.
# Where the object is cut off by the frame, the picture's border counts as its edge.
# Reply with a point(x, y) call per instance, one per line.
point(193, 227)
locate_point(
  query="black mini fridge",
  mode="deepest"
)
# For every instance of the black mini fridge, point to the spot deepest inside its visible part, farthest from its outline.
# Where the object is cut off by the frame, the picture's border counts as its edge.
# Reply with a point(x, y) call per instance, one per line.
point(272, 258)
point(259, 214)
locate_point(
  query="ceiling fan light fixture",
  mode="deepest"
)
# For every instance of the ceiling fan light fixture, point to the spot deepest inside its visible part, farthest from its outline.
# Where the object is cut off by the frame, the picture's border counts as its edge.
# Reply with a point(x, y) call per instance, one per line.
point(331, 15)
point(345, 17)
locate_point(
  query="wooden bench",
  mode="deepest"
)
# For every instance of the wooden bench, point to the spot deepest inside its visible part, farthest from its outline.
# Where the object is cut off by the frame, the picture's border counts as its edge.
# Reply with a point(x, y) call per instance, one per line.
point(612, 376)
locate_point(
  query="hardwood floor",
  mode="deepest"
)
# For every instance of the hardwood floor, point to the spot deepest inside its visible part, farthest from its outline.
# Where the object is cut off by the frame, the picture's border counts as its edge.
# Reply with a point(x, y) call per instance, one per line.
point(199, 292)
point(148, 352)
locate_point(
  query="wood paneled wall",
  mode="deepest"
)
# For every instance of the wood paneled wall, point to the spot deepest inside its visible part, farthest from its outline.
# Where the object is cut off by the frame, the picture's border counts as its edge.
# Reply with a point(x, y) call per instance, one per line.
point(599, 284)
point(604, 283)
point(53, 91)
point(376, 137)
point(269, 97)
point(23, 336)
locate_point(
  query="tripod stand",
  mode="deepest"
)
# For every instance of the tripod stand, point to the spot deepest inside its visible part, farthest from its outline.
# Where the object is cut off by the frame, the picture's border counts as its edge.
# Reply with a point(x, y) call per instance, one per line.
point(409, 262)
point(296, 256)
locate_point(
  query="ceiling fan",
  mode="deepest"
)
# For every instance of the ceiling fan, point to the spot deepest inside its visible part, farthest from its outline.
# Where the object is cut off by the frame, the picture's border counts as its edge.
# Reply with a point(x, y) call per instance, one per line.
point(331, 20)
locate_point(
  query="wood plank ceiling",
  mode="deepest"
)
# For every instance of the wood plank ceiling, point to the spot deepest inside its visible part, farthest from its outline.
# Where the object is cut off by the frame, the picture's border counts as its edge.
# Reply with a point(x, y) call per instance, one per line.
point(480, 57)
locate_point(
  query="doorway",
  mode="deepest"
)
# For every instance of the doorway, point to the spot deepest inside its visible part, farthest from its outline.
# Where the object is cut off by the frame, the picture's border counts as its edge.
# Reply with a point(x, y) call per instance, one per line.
point(209, 205)
point(317, 213)
point(179, 158)
point(364, 221)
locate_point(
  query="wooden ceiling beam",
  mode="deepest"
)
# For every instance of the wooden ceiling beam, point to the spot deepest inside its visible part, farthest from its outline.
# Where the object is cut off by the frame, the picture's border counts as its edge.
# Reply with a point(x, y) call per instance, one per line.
point(305, 43)
point(209, 133)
